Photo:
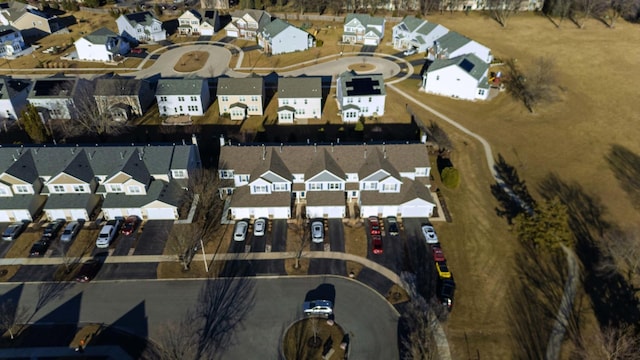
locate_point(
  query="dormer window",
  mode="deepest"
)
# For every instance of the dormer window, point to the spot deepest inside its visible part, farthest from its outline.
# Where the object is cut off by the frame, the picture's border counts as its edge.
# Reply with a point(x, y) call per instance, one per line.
point(22, 189)
point(179, 174)
point(58, 188)
point(114, 188)
point(78, 188)
point(134, 189)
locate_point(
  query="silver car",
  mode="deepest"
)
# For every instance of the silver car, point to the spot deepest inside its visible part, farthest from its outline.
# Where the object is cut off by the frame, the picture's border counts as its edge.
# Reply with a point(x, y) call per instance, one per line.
point(318, 307)
point(14, 230)
point(70, 231)
point(259, 227)
point(240, 232)
point(429, 234)
point(317, 231)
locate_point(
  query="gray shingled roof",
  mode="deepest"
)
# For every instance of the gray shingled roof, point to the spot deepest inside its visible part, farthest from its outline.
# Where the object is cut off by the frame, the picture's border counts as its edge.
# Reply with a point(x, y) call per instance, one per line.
point(410, 190)
point(452, 41)
point(79, 167)
point(325, 198)
point(71, 201)
point(100, 36)
point(18, 202)
point(364, 19)
point(144, 18)
point(243, 198)
point(162, 191)
point(23, 168)
point(240, 86)
point(412, 23)
point(275, 27)
point(118, 86)
point(10, 87)
point(190, 86)
point(469, 63)
point(302, 87)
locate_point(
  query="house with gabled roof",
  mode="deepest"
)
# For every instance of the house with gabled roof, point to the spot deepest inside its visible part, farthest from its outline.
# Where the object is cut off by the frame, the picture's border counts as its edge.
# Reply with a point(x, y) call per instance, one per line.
point(463, 77)
point(11, 41)
point(183, 96)
point(193, 22)
point(123, 98)
point(101, 45)
point(363, 29)
point(141, 26)
point(247, 23)
point(452, 45)
point(360, 95)
point(31, 21)
point(418, 34)
point(239, 98)
point(387, 180)
point(55, 97)
point(299, 98)
point(13, 97)
point(280, 37)
point(71, 181)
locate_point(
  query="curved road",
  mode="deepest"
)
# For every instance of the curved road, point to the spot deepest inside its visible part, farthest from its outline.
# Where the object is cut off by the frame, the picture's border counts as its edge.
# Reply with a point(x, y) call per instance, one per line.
point(145, 308)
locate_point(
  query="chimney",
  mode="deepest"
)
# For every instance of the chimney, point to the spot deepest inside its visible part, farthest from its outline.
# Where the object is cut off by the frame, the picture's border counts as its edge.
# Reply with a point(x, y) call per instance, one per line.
point(281, 147)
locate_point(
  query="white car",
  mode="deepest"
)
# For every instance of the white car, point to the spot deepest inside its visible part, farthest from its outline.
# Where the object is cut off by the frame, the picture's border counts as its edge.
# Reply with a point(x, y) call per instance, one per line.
point(429, 234)
point(259, 227)
point(106, 236)
point(240, 231)
point(410, 51)
point(70, 231)
point(318, 307)
point(317, 231)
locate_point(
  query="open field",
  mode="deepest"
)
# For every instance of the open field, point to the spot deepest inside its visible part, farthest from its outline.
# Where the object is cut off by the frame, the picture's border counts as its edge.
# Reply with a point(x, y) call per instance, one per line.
point(570, 137)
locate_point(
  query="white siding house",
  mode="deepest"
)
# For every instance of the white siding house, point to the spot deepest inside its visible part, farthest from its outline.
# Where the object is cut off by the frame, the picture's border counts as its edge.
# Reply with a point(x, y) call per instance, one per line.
point(11, 41)
point(279, 37)
point(363, 29)
point(246, 24)
point(299, 98)
point(13, 97)
point(463, 77)
point(360, 95)
point(453, 45)
point(240, 97)
point(101, 45)
point(55, 97)
point(418, 34)
point(142, 26)
point(193, 22)
point(183, 96)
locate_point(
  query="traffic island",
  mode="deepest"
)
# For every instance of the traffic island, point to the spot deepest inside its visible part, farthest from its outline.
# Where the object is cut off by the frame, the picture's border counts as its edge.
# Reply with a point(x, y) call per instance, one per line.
point(315, 338)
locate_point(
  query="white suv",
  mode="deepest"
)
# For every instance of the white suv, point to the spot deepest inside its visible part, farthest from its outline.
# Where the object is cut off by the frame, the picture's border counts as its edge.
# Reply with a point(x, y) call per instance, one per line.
point(429, 234)
point(107, 233)
point(318, 307)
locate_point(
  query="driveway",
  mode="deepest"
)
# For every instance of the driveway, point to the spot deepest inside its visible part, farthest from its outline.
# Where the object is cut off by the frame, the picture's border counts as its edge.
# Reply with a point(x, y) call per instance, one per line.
point(153, 237)
point(145, 307)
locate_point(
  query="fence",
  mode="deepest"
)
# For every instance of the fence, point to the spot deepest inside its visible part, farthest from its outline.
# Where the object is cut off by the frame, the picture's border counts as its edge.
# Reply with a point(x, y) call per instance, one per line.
point(315, 17)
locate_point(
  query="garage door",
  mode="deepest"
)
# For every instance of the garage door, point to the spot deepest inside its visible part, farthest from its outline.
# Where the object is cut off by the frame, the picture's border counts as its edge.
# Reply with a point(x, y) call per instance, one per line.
point(389, 211)
point(133, 211)
point(22, 215)
point(415, 211)
point(240, 213)
point(112, 213)
point(232, 34)
point(334, 212)
point(56, 214)
point(261, 212)
point(315, 212)
point(281, 213)
point(79, 214)
point(4, 216)
point(370, 42)
point(160, 214)
point(367, 211)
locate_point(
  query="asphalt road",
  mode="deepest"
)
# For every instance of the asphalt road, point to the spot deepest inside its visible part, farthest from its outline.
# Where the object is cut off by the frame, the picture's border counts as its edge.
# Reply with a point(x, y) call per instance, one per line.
point(145, 307)
point(153, 237)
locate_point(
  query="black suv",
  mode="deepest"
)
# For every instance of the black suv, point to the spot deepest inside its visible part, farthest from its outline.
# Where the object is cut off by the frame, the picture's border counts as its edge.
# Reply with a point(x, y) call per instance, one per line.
point(50, 232)
point(445, 291)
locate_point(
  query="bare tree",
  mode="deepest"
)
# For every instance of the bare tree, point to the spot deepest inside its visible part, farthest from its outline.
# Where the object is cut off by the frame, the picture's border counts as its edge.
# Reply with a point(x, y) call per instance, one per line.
point(502, 10)
point(611, 344)
point(535, 86)
point(12, 314)
point(624, 251)
point(559, 8)
point(613, 10)
point(417, 340)
point(586, 9)
point(427, 6)
point(439, 136)
point(301, 228)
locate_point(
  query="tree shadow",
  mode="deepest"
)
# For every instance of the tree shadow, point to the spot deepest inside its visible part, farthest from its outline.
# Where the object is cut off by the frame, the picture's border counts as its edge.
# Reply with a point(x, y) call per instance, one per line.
point(612, 296)
point(511, 192)
point(625, 166)
point(50, 291)
point(322, 292)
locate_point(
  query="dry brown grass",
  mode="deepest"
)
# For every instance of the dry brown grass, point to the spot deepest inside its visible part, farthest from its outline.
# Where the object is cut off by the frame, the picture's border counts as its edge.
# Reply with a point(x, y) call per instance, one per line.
point(191, 61)
point(361, 67)
point(290, 268)
point(397, 295)
point(7, 272)
point(355, 239)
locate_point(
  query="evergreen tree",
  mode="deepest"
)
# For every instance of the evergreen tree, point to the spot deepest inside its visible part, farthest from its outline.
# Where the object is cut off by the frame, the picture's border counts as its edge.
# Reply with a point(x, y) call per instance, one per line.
point(33, 125)
point(547, 227)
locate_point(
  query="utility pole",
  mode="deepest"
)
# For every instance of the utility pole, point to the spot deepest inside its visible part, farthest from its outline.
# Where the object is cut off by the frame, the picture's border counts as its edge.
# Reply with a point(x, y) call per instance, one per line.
point(204, 257)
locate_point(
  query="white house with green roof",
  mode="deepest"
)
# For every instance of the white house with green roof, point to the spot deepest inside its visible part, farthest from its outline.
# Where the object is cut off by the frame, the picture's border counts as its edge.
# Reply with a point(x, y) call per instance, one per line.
point(280, 37)
point(462, 77)
point(416, 33)
point(363, 29)
point(241, 97)
point(299, 98)
point(183, 96)
point(142, 26)
point(101, 45)
point(452, 45)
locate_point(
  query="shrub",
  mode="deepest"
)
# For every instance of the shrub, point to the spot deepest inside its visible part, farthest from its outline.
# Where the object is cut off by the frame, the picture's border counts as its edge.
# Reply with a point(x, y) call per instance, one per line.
point(319, 43)
point(359, 126)
point(450, 177)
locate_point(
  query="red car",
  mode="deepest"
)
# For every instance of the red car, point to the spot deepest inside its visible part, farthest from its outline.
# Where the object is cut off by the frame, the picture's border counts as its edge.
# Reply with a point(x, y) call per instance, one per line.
point(137, 51)
point(438, 255)
point(374, 225)
point(130, 225)
point(376, 243)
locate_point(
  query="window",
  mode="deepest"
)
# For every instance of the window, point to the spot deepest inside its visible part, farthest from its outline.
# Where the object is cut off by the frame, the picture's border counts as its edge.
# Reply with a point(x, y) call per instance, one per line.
point(370, 98)
point(180, 108)
point(3, 191)
point(164, 109)
point(302, 194)
point(194, 98)
point(58, 188)
point(192, 108)
point(260, 189)
point(480, 91)
point(163, 98)
point(389, 187)
point(115, 188)
point(242, 98)
point(315, 186)
point(180, 98)
point(280, 187)
point(224, 98)
point(437, 77)
point(179, 174)
point(243, 178)
point(335, 186)
point(22, 189)
point(225, 174)
point(134, 189)
point(306, 101)
point(254, 98)
point(78, 188)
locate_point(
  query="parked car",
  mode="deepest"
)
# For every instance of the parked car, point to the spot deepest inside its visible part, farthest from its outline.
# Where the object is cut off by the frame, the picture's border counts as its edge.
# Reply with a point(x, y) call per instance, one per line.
point(259, 227)
point(130, 225)
point(317, 231)
point(445, 292)
point(53, 228)
point(71, 230)
point(374, 225)
point(317, 307)
point(393, 226)
point(89, 270)
point(438, 255)
point(429, 234)
point(240, 231)
point(376, 244)
point(137, 50)
point(106, 236)
point(40, 247)
point(410, 51)
point(443, 270)
point(14, 230)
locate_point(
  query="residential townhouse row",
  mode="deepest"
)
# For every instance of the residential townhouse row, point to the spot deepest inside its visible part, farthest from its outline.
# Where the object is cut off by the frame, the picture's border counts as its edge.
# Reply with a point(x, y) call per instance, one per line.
point(122, 98)
point(78, 182)
point(326, 181)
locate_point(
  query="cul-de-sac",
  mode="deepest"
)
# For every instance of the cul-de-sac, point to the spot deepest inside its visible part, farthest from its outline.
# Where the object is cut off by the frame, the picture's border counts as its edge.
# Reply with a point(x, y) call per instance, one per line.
point(295, 179)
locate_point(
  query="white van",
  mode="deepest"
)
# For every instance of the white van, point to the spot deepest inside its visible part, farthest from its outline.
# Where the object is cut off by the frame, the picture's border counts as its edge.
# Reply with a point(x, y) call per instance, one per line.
point(107, 234)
